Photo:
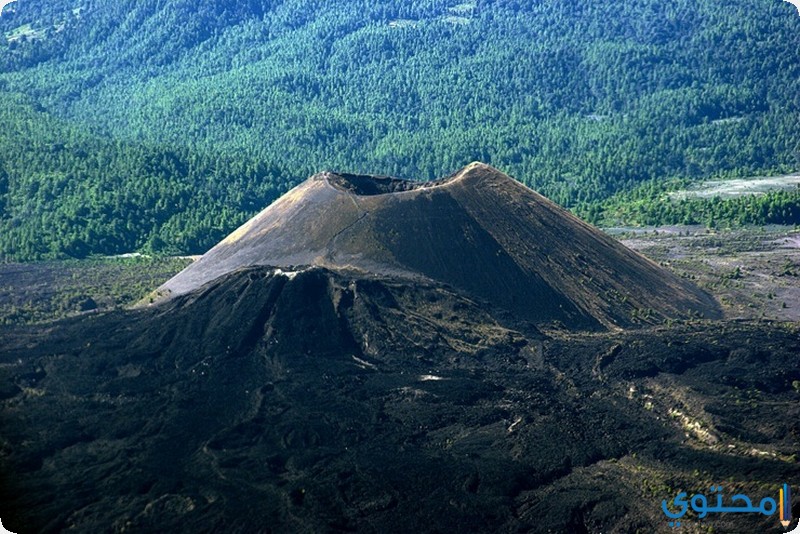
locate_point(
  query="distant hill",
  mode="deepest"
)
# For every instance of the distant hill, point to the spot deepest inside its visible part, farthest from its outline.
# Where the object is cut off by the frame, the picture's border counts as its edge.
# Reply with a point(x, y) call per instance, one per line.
point(238, 101)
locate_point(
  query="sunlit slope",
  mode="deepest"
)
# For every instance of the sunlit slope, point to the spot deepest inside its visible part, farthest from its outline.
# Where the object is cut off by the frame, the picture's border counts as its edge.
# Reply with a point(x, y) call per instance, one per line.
point(477, 230)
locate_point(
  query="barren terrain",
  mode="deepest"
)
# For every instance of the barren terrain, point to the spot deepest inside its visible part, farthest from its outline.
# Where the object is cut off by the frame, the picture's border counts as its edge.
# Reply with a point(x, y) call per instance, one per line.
point(753, 272)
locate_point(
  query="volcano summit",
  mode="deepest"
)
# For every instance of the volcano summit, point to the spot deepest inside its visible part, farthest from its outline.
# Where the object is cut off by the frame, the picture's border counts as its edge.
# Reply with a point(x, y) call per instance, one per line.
point(477, 230)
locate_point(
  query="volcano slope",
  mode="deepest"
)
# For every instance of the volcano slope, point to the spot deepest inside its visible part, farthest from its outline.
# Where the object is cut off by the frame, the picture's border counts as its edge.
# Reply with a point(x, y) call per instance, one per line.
point(477, 230)
point(333, 398)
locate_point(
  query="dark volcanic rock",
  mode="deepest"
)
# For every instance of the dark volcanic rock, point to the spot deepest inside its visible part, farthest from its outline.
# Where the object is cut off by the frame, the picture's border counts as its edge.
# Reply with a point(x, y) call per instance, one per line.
point(326, 401)
point(478, 230)
point(405, 378)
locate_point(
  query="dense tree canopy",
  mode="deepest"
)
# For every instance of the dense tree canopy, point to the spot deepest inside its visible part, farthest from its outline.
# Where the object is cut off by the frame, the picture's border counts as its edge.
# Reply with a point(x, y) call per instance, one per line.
point(162, 125)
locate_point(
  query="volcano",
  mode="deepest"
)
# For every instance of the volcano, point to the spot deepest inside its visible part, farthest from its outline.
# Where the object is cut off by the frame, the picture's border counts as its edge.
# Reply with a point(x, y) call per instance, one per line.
point(477, 230)
point(377, 355)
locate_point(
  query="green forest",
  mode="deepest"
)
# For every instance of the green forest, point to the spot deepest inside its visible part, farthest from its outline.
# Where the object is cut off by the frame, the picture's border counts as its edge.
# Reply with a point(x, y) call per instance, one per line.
point(161, 126)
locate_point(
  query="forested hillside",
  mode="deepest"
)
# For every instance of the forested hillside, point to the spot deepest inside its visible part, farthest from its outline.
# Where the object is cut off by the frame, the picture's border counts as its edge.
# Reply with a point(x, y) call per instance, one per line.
point(161, 125)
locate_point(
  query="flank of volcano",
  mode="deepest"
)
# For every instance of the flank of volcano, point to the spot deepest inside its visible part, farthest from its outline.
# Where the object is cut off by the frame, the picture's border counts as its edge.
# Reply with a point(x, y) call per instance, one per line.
point(477, 230)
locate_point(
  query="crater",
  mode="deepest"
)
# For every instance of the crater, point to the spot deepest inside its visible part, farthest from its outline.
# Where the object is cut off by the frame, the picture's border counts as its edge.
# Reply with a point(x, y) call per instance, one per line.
point(367, 185)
